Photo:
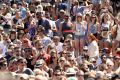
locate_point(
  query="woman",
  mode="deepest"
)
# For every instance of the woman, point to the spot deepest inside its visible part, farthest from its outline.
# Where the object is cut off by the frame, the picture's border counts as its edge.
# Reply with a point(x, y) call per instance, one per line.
point(80, 34)
point(66, 27)
point(105, 28)
point(116, 32)
point(94, 27)
point(30, 25)
point(93, 48)
point(53, 59)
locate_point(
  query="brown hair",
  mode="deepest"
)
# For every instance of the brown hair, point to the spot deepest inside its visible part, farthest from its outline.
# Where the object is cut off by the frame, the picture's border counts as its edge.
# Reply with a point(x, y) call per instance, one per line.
point(93, 37)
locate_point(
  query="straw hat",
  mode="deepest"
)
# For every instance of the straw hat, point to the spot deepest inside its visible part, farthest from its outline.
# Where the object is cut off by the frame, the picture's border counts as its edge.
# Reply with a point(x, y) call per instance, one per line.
point(105, 34)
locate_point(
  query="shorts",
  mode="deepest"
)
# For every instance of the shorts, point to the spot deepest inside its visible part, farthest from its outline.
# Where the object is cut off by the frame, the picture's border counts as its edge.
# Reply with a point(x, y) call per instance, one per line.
point(79, 37)
point(118, 38)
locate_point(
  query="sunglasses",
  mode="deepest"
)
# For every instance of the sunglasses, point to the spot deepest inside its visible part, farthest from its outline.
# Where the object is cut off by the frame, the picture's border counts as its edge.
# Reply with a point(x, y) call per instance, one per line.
point(109, 65)
point(70, 60)
point(94, 61)
point(61, 60)
point(57, 74)
point(53, 57)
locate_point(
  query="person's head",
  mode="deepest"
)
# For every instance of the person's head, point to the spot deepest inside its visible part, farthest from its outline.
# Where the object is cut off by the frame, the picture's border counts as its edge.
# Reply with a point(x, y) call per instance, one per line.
point(13, 65)
point(103, 58)
point(40, 14)
point(79, 17)
point(3, 64)
point(66, 17)
point(94, 19)
point(22, 63)
point(38, 44)
point(71, 74)
point(28, 13)
point(87, 17)
point(105, 17)
point(62, 13)
point(49, 48)
point(54, 56)
point(17, 51)
point(91, 38)
point(26, 43)
point(19, 5)
point(40, 30)
point(117, 19)
point(1, 29)
point(18, 14)
point(57, 72)
point(13, 34)
point(110, 65)
point(5, 36)
point(62, 61)
point(47, 15)
point(56, 39)
point(76, 3)
point(40, 64)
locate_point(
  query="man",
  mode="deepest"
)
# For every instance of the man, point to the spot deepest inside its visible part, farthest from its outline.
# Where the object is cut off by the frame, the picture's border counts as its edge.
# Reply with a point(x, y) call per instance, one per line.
point(44, 39)
point(22, 67)
point(43, 21)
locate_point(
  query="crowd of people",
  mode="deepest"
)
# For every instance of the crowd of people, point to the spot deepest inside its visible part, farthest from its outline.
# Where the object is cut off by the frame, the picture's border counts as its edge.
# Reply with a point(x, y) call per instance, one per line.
point(59, 39)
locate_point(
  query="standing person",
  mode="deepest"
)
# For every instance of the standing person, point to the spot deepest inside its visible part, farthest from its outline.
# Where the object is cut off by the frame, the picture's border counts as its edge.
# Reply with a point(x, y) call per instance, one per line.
point(22, 10)
point(117, 33)
point(61, 19)
point(66, 27)
point(22, 67)
point(105, 28)
point(80, 33)
point(93, 49)
point(17, 22)
point(44, 39)
point(43, 21)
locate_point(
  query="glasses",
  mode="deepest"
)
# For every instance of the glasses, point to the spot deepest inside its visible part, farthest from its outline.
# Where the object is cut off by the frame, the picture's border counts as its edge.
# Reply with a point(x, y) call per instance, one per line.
point(53, 57)
point(109, 65)
point(61, 60)
point(94, 61)
point(70, 60)
point(57, 74)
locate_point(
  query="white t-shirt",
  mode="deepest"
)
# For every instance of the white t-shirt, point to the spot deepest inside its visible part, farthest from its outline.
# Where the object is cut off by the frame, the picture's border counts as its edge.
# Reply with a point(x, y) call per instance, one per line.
point(58, 47)
point(93, 49)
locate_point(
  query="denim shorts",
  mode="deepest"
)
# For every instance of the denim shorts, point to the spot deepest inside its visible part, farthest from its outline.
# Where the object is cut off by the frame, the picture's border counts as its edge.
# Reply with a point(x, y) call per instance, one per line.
point(79, 36)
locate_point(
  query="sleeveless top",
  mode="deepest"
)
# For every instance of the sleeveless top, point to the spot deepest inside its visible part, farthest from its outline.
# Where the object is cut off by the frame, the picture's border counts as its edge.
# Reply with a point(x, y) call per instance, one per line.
point(105, 26)
point(79, 30)
point(66, 28)
point(93, 28)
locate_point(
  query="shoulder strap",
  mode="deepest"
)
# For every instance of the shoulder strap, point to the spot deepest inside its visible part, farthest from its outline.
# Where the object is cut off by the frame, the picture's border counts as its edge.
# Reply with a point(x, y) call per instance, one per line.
point(86, 31)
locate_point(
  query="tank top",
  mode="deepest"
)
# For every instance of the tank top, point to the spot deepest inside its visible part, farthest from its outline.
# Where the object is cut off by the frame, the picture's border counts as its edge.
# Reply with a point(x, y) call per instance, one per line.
point(105, 26)
point(79, 30)
point(66, 28)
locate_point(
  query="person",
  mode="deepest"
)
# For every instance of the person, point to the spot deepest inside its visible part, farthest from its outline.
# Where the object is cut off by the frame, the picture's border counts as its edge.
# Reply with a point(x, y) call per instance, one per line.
point(22, 68)
point(66, 27)
point(93, 49)
point(57, 44)
point(80, 34)
point(117, 38)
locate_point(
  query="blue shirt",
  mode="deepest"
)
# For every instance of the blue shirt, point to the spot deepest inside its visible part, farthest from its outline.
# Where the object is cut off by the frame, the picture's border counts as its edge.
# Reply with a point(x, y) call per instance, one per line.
point(23, 12)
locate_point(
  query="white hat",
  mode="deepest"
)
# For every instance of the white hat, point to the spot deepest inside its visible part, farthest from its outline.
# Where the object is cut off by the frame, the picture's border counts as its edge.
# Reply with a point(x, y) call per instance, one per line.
point(70, 71)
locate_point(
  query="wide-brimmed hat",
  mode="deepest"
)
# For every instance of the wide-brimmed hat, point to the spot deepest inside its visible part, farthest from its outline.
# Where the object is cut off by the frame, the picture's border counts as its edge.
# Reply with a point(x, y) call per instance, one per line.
point(105, 34)
point(39, 63)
